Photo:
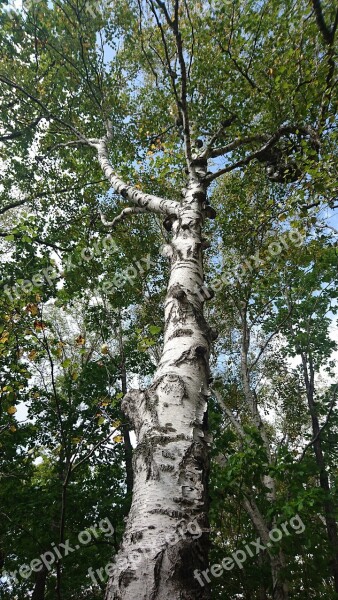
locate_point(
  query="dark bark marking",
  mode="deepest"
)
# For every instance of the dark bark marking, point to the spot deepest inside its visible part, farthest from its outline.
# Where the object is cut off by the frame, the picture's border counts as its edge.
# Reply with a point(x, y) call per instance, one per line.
point(181, 333)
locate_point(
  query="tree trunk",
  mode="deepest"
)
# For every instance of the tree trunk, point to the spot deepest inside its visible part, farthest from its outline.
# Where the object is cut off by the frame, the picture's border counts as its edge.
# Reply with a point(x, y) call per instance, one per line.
point(40, 585)
point(280, 587)
point(166, 536)
point(128, 449)
point(277, 562)
point(329, 508)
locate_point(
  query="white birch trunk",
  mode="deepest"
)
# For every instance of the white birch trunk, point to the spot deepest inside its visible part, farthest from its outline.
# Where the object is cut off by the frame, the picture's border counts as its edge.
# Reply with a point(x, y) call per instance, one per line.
point(166, 536)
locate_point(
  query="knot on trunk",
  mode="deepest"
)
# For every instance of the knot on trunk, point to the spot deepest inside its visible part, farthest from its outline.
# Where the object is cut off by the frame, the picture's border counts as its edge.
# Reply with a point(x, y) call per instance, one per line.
point(139, 407)
point(131, 405)
point(190, 218)
point(168, 222)
point(177, 292)
point(194, 353)
point(213, 335)
point(210, 212)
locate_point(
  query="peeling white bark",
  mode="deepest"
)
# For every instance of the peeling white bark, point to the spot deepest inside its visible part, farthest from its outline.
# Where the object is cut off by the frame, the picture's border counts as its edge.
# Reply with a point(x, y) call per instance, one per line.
point(160, 550)
point(148, 202)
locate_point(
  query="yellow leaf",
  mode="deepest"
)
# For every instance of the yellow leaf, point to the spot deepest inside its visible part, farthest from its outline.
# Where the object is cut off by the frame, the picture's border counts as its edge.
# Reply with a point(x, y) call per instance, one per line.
point(12, 428)
point(116, 424)
point(118, 438)
point(11, 410)
point(32, 309)
point(32, 355)
point(4, 337)
point(80, 340)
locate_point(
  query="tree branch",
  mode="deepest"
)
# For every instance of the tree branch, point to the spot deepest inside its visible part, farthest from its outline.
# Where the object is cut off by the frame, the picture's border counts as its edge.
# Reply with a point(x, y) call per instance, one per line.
point(322, 427)
point(284, 130)
point(229, 414)
point(19, 133)
point(4, 209)
point(182, 103)
point(130, 210)
point(148, 202)
point(327, 33)
point(45, 109)
point(268, 340)
point(214, 153)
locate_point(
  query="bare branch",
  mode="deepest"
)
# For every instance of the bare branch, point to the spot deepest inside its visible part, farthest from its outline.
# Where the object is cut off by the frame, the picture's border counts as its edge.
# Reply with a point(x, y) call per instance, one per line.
point(214, 153)
point(324, 226)
point(130, 210)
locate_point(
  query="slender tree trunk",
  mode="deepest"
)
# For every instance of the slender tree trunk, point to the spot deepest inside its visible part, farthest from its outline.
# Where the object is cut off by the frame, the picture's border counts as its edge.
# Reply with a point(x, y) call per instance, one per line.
point(280, 590)
point(40, 585)
point(277, 562)
point(128, 449)
point(166, 536)
point(262, 594)
point(329, 508)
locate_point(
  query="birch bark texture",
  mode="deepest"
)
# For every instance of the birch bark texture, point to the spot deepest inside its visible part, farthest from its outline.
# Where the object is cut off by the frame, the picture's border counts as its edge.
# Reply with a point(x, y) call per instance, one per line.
point(167, 530)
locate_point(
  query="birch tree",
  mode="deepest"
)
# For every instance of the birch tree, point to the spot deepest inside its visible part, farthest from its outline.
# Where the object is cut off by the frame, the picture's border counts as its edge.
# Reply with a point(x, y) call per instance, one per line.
point(150, 96)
